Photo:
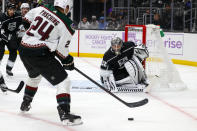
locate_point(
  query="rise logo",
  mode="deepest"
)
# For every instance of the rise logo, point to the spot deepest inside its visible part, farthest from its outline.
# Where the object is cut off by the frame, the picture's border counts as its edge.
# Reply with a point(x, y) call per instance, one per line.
point(172, 43)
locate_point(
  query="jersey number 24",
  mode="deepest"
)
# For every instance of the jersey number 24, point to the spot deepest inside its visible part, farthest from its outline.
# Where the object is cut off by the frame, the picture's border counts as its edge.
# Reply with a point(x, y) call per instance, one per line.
point(44, 34)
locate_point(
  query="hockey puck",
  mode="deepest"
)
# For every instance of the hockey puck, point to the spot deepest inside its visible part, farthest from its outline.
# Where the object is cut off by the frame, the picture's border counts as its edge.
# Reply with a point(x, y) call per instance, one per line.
point(131, 119)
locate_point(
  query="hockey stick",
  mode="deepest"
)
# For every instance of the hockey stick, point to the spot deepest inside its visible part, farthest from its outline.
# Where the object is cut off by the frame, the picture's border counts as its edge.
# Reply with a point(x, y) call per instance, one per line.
point(19, 88)
point(131, 105)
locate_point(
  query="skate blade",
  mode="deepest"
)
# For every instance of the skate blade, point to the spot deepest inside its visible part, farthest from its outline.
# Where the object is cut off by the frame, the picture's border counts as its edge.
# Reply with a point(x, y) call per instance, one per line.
point(24, 111)
point(75, 122)
point(9, 77)
point(4, 91)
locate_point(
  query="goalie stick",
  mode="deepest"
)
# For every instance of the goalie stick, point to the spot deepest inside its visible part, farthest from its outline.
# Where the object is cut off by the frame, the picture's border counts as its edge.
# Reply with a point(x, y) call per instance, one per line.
point(131, 105)
point(19, 88)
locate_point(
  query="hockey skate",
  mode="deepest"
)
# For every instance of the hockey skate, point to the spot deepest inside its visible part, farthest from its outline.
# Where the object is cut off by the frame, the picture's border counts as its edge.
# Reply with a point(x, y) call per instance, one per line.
point(3, 85)
point(26, 104)
point(67, 118)
point(9, 73)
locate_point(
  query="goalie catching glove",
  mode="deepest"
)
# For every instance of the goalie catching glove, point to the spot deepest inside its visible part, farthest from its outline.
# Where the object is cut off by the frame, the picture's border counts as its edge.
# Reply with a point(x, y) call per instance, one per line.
point(141, 52)
point(68, 63)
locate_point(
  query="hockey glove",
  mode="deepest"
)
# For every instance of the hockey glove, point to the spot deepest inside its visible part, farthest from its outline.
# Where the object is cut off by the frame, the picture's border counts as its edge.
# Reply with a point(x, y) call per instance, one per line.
point(68, 63)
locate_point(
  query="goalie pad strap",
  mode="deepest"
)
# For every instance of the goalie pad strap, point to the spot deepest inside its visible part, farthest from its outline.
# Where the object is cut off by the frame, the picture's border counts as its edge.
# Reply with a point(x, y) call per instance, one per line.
point(122, 90)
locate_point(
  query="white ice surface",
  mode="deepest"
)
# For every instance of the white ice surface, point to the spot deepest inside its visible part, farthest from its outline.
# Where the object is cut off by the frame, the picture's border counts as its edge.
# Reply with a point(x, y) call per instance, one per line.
point(166, 111)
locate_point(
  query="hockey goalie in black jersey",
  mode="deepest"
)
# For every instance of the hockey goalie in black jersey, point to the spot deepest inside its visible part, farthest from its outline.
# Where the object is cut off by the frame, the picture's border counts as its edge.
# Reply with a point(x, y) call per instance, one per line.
point(122, 69)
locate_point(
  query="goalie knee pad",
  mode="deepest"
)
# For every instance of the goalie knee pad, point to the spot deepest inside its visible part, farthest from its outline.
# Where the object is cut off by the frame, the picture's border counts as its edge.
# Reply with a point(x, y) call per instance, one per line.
point(64, 86)
point(33, 82)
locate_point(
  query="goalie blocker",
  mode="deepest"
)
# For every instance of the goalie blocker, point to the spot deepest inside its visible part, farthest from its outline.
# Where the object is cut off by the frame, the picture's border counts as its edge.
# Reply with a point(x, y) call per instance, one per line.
point(121, 68)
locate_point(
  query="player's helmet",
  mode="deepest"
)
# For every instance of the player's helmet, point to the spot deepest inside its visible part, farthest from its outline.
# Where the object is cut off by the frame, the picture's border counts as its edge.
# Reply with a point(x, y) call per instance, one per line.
point(11, 6)
point(24, 5)
point(64, 3)
point(116, 45)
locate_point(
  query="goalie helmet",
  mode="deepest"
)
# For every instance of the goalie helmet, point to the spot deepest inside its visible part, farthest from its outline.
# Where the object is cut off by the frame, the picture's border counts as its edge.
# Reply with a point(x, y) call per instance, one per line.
point(64, 3)
point(116, 45)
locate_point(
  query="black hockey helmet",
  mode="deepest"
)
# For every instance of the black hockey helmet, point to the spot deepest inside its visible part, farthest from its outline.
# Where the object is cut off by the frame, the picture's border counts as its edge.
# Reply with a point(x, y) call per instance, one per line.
point(10, 5)
point(116, 45)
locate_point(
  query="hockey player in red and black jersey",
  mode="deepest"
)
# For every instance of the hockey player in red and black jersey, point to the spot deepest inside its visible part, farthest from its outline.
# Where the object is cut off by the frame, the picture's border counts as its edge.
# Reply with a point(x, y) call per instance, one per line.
point(44, 51)
point(122, 69)
point(9, 25)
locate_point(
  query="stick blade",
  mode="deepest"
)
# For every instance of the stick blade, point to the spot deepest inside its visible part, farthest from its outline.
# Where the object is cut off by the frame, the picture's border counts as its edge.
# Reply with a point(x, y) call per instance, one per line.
point(20, 86)
point(137, 104)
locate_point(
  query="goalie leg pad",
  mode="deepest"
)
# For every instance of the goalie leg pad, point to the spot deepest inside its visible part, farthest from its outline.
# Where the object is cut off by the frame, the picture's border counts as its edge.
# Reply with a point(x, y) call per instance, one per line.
point(64, 86)
point(132, 70)
point(142, 73)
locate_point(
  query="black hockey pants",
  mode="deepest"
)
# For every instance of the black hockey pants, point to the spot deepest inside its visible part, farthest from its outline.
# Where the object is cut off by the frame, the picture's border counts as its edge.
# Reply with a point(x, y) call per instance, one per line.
point(47, 66)
point(12, 46)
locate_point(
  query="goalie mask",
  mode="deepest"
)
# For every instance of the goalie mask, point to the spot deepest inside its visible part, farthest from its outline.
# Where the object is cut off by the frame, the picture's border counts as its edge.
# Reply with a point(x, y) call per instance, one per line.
point(116, 45)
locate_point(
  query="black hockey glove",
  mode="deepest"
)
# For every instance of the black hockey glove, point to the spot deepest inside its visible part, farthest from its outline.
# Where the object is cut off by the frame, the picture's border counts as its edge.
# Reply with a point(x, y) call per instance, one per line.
point(68, 63)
